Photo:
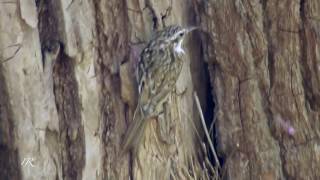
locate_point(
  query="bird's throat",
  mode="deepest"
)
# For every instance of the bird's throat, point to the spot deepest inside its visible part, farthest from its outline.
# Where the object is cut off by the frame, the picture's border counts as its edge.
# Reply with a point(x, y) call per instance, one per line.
point(178, 48)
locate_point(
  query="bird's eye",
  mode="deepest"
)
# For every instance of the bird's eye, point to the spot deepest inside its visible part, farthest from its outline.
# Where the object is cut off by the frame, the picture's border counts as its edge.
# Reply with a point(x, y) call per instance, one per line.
point(181, 34)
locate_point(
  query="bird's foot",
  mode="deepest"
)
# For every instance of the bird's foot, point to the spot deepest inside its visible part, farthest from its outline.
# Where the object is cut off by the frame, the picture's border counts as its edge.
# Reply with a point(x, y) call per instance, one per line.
point(181, 92)
point(164, 130)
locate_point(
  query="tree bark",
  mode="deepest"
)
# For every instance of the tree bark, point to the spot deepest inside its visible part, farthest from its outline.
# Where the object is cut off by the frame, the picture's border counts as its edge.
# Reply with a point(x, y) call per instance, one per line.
point(264, 70)
point(68, 92)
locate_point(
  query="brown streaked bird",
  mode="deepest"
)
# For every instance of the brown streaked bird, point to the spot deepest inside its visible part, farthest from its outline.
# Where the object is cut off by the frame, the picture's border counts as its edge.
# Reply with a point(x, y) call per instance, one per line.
point(158, 69)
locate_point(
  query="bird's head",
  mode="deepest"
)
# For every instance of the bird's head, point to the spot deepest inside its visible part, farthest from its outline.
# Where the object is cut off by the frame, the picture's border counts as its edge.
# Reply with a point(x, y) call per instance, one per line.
point(175, 35)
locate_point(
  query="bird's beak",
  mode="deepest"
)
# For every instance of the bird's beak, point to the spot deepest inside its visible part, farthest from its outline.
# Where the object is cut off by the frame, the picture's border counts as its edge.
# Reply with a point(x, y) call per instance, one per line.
point(192, 28)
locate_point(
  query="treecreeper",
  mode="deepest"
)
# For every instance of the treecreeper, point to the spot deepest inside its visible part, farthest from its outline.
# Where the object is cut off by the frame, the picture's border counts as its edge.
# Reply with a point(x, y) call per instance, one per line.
point(158, 69)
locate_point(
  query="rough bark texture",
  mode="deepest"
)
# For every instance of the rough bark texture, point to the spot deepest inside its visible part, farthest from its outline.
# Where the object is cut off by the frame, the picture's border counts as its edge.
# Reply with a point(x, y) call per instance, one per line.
point(67, 91)
point(264, 70)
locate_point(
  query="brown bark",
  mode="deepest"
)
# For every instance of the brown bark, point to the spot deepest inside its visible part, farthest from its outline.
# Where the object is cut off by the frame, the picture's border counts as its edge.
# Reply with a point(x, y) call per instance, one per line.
point(68, 93)
point(264, 71)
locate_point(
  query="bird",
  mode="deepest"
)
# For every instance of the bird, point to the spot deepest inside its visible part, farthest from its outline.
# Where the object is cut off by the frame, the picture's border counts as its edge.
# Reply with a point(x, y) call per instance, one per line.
point(158, 69)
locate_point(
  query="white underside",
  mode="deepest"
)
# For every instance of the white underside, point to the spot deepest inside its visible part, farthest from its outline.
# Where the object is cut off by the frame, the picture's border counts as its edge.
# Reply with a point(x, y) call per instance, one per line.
point(178, 48)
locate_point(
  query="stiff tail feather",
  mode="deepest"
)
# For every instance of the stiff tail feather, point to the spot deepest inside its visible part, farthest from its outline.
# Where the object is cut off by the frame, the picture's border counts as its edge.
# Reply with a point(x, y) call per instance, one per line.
point(134, 133)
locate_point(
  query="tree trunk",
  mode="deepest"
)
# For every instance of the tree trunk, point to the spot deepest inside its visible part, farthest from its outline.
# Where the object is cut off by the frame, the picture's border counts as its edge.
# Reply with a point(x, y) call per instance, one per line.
point(68, 92)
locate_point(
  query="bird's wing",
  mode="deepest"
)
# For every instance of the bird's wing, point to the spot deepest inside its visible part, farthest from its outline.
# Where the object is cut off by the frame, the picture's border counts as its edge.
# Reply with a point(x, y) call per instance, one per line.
point(159, 78)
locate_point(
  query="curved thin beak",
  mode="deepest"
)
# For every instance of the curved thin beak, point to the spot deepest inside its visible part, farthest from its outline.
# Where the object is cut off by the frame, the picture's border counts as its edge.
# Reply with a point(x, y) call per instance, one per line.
point(192, 28)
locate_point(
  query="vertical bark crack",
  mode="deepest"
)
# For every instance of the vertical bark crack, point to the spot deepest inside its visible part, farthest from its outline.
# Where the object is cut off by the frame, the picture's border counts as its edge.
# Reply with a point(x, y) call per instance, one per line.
point(266, 28)
point(70, 123)
point(241, 122)
point(306, 76)
point(10, 167)
point(271, 70)
point(71, 130)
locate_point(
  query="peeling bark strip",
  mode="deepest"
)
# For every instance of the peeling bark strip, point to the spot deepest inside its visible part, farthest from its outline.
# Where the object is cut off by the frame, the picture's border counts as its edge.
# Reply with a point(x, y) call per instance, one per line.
point(112, 35)
point(9, 158)
point(70, 124)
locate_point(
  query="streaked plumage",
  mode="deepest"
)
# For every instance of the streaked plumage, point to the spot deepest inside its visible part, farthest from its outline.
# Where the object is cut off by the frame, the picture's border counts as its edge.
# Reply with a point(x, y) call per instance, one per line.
point(158, 70)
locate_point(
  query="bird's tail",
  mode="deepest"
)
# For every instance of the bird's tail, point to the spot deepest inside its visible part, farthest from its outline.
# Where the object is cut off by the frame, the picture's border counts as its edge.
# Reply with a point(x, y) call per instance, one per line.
point(135, 132)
